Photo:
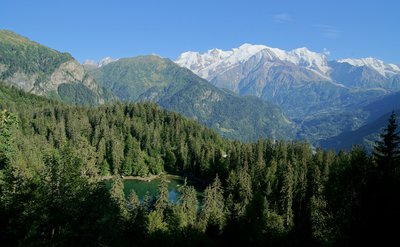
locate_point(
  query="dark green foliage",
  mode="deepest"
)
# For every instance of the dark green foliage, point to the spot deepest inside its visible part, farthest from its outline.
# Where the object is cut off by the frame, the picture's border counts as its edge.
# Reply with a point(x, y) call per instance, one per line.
point(117, 195)
point(188, 206)
point(77, 94)
point(383, 188)
point(265, 193)
point(387, 150)
point(56, 206)
point(212, 215)
point(7, 121)
point(162, 198)
point(128, 139)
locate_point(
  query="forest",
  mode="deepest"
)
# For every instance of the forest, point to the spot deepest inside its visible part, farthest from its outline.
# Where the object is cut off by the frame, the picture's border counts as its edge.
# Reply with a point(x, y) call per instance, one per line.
point(54, 156)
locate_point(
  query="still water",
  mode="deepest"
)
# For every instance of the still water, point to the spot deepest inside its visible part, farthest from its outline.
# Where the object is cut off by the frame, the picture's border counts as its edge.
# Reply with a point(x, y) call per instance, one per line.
point(151, 187)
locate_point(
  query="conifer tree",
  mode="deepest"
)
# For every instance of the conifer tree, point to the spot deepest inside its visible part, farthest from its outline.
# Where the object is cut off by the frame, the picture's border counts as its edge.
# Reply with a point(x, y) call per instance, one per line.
point(213, 211)
point(6, 122)
point(383, 191)
point(162, 199)
point(387, 149)
point(117, 195)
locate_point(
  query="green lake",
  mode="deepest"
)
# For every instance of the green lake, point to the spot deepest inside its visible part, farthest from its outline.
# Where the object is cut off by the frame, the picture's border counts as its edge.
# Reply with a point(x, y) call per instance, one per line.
point(151, 187)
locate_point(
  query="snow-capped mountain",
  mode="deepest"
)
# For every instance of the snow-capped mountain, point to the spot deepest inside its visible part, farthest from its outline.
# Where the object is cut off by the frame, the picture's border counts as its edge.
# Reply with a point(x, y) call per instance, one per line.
point(106, 61)
point(269, 73)
point(301, 81)
point(93, 64)
point(366, 73)
point(382, 68)
point(215, 62)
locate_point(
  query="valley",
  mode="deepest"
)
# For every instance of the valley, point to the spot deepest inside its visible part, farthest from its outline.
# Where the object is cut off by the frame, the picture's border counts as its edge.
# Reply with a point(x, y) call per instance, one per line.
point(199, 123)
point(256, 135)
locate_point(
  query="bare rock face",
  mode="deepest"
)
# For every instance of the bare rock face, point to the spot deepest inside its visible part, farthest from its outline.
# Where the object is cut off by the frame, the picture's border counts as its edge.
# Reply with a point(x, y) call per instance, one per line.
point(69, 72)
point(3, 68)
point(23, 81)
point(44, 71)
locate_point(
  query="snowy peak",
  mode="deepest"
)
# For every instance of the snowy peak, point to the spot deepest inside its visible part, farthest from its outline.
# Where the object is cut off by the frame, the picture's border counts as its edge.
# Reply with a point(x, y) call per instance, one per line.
point(309, 59)
point(102, 62)
point(245, 51)
point(216, 61)
point(203, 63)
point(373, 63)
point(106, 61)
point(196, 61)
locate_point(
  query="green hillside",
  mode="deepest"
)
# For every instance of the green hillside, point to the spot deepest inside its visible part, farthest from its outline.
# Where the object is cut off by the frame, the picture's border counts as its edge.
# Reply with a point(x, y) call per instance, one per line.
point(41, 70)
point(151, 78)
point(128, 78)
point(19, 54)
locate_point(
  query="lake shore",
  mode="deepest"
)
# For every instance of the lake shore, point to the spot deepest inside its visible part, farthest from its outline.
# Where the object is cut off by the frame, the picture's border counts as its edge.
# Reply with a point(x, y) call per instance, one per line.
point(148, 178)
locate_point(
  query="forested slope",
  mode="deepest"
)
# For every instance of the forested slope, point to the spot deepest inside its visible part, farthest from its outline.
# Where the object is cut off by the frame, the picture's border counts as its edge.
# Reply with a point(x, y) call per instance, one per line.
point(41, 70)
point(52, 157)
point(159, 80)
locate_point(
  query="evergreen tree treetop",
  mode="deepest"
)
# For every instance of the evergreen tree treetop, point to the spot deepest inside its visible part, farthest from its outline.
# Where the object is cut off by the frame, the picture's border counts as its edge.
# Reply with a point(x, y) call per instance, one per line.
point(387, 149)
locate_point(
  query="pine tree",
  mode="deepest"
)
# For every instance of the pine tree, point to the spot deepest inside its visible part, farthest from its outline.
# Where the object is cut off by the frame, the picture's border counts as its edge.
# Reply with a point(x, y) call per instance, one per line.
point(213, 211)
point(383, 190)
point(182, 215)
point(162, 199)
point(118, 197)
point(188, 204)
point(287, 195)
point(133, 205)
point(387, 150)
point(6, 122)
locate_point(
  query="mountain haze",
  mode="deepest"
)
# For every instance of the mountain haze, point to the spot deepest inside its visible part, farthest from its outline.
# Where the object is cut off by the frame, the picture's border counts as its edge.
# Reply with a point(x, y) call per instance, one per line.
point(288, 77)
point(375, 115)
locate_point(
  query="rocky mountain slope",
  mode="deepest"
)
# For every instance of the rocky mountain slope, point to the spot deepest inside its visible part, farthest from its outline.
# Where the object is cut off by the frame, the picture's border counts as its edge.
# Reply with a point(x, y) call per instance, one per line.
point(44, 71)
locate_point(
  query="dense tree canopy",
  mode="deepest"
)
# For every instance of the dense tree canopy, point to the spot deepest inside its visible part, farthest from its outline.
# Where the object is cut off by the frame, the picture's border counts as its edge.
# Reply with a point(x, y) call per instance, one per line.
point(54, 157)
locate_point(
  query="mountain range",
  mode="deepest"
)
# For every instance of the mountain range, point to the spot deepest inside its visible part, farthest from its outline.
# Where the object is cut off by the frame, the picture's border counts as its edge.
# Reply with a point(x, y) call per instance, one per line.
point(44, 71)
point(249, 92)
point(324, 98)
point(218, 67)
point(288, 77)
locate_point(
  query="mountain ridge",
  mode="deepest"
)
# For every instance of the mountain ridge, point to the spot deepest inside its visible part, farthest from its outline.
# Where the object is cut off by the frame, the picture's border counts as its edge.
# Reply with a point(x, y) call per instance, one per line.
point(286, 78)
point(44, 71)
point(197, 61)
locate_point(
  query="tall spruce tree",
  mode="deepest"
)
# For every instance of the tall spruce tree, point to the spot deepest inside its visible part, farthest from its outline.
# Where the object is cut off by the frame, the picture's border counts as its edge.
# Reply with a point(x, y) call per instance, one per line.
point(387, 150)
point(381, 209)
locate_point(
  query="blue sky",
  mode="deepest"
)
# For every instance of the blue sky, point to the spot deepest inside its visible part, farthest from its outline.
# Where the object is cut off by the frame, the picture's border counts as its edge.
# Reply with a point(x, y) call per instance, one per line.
point(118, 28)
